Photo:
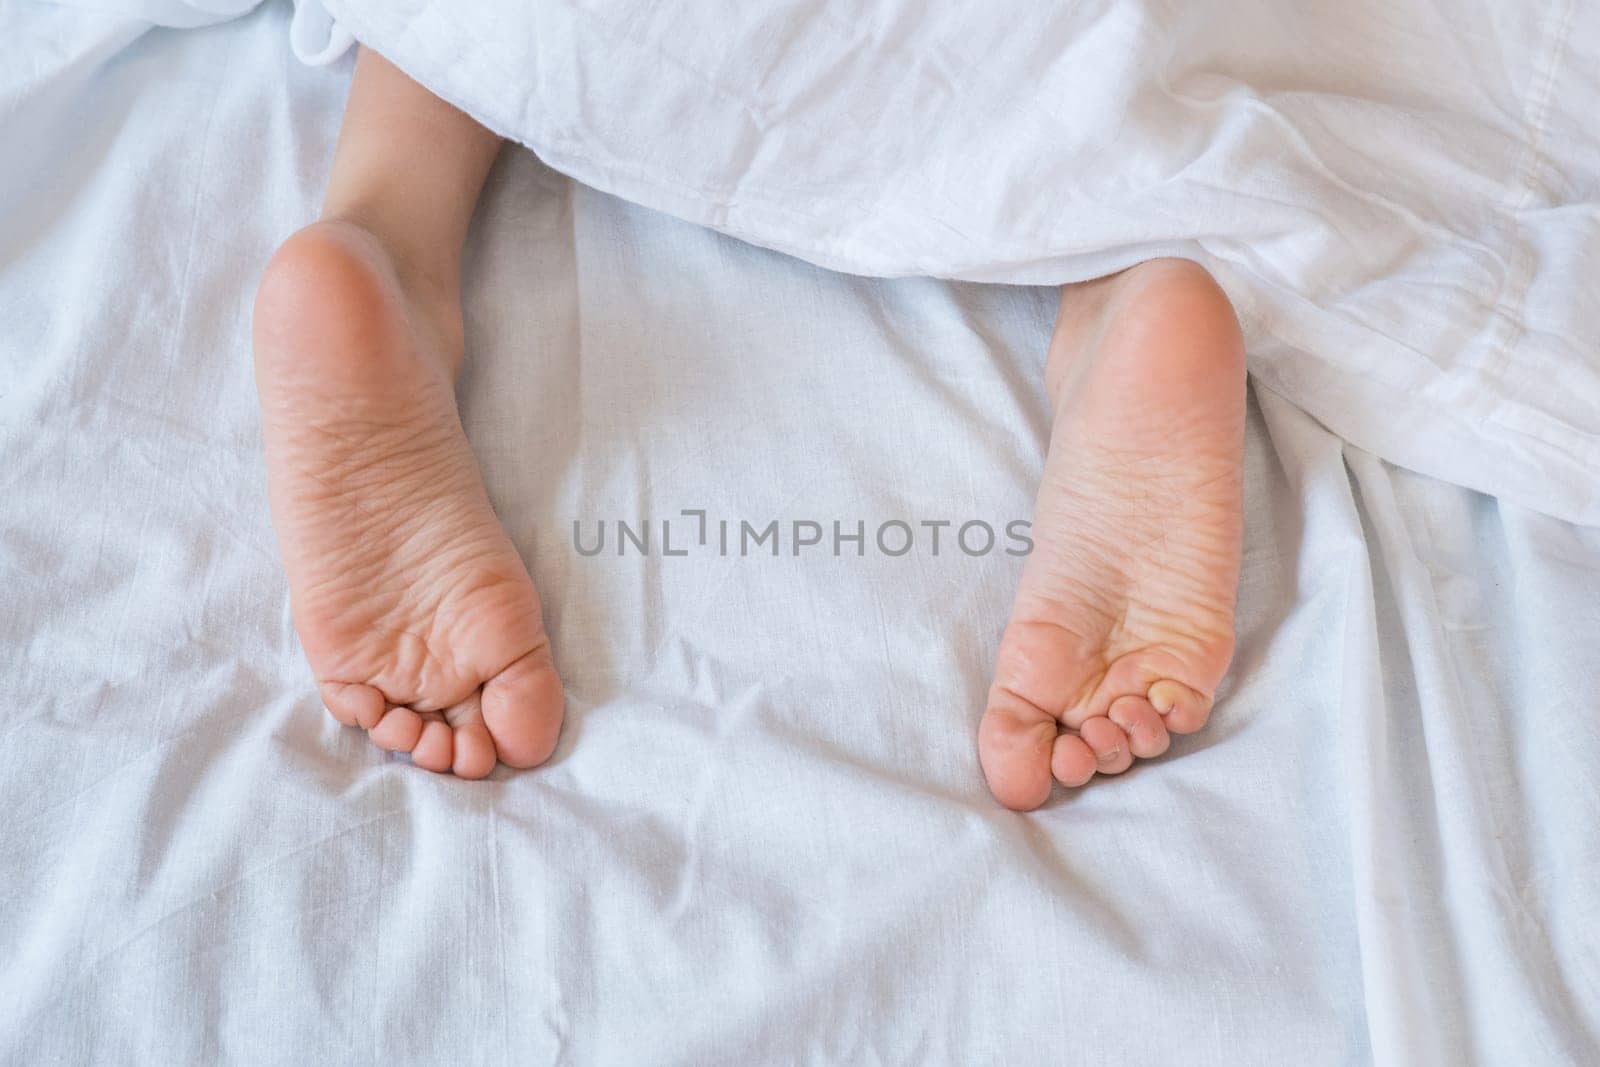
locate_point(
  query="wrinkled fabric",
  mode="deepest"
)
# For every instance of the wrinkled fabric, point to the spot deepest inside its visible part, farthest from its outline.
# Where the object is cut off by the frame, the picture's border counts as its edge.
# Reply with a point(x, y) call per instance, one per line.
point(764, 837)
point(313, 35)
point(1403, 199)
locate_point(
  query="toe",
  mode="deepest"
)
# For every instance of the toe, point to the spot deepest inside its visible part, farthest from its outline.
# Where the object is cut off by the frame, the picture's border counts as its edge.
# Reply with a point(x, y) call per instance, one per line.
point(1183, 709)
point(435, 748)
point(1018, 740)
point(475, 755)
point(397, 731)
point(1112, 752)
point(522, 707)
point(1072, 761)
point(340, 713)
point(353, 705)
point(474, 748)
point(1015, 741)
point(1147, 734)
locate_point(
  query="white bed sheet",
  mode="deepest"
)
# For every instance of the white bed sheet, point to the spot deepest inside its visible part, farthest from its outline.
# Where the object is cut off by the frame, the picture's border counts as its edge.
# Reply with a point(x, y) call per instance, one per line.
point(764, 837)
point(1402, 197)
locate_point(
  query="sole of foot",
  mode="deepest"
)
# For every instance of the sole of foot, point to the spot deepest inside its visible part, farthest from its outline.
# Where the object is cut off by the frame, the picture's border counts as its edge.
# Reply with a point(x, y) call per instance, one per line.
point(416, 613)
point(1122, 627)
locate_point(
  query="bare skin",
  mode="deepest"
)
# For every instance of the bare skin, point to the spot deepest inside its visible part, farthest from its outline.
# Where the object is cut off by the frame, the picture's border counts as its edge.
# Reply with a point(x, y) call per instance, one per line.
point(1122, 626)
point(418, 616)
point(416, 613)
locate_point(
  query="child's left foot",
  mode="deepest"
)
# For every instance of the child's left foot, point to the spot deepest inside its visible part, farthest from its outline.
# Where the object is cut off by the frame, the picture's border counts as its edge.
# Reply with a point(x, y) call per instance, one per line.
point(415, 610)
point(1123, 623)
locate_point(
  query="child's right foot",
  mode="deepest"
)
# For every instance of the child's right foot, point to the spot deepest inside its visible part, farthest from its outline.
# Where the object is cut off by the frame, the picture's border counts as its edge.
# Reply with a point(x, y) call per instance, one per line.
point(415, 610)
point(1123, 622)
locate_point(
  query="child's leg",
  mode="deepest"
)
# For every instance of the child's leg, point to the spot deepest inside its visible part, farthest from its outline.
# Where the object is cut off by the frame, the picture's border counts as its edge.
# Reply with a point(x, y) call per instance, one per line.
point(415, 611)
point(1123, 622)
point(409, 169)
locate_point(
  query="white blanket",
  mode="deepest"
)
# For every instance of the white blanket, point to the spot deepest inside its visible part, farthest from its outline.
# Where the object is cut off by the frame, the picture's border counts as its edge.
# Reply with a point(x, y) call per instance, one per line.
point(1403, 198)
point(764, 838)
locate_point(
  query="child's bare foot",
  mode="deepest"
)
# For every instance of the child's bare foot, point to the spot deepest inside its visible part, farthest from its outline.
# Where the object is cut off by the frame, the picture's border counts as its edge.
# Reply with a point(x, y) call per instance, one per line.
point(1123, 623)
point(416, 612)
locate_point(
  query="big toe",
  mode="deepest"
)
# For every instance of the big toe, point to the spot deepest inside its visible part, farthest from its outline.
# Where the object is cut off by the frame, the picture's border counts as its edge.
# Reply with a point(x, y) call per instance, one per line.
point(522, 710)
point(1020, 742)
point(353, 704)
point(1015, 744)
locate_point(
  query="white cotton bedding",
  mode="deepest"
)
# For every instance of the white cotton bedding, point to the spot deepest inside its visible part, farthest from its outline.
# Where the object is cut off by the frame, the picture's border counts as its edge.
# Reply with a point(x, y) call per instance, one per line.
point(1402, 196)
point(764, 838)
